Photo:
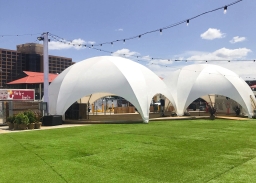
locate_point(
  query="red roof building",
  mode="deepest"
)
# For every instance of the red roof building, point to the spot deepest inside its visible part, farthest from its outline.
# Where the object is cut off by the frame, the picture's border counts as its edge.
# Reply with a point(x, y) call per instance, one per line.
point(32, 80)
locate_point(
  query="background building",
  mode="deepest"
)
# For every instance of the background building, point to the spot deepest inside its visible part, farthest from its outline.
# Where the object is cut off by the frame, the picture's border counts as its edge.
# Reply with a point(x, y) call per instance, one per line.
point(27, 57)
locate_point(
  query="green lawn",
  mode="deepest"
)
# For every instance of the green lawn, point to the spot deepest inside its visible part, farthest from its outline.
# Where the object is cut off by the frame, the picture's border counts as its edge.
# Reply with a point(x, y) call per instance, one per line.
point(170, 151)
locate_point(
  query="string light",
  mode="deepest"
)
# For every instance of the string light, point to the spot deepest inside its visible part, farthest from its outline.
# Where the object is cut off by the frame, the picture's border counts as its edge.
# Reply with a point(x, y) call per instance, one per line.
point(160, 31)
point(17, 35)
point(213, 60)
point(155, 58)
point(169, 26)
point(225, 9)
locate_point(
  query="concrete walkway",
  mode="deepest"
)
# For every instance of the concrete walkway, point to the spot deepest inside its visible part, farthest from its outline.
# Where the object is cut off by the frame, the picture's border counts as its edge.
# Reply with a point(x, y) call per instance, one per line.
point(5, 129)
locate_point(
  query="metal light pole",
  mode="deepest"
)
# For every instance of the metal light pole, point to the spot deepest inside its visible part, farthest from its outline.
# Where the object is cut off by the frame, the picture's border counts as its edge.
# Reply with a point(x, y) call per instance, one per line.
point(44, 38)
point(46, 69)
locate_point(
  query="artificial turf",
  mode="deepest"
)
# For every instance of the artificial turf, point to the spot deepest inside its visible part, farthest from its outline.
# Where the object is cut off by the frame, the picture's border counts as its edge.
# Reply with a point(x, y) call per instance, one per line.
point(169, 151)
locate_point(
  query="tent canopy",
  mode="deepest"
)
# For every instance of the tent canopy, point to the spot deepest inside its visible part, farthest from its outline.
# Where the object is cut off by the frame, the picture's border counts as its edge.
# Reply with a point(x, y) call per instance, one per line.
point(194, 81)
point(106, 75)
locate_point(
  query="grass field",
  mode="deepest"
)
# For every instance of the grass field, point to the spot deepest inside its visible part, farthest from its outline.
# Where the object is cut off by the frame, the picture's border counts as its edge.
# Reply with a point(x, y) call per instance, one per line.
point(174, 151)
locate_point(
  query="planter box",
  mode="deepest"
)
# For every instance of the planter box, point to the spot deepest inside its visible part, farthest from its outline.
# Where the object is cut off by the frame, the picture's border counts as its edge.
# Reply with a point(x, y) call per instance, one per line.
point(52, 120)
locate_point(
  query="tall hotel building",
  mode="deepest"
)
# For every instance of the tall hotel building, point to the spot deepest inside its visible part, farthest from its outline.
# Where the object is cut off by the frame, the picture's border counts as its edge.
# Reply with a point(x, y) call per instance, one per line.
point(27, 57)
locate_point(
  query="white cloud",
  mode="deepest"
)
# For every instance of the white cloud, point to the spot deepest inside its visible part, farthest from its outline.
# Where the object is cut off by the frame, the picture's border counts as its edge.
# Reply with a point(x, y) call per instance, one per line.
point(146, 58)
point(242, 68)
point(124, 52)
point(211, 34)
point(120, 29)
point(162, 67)
point(221, 54)
point(162, 70)
point(76, 44)
point(237, 39)
point(91, 42)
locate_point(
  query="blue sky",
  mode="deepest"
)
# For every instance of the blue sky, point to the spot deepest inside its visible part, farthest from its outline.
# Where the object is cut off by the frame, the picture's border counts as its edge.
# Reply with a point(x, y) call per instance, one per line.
point(216, 35)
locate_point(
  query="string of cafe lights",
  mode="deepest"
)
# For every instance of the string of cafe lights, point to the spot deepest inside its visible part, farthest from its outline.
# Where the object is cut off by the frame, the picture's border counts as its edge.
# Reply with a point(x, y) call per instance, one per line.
point(150, 59)
point(187, 21)
point(19, 35)
point(138, 57)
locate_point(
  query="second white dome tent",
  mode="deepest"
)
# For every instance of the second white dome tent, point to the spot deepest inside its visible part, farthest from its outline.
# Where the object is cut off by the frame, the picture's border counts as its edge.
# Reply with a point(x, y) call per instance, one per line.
point(194, 81)
point(106, 74)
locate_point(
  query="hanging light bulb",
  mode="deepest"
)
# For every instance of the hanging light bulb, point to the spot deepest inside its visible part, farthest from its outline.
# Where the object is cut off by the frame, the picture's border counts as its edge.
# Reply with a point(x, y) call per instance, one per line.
point(124, 41)
point(160, 31)
point(187, 22)
point(225, 9)
point(139, 36)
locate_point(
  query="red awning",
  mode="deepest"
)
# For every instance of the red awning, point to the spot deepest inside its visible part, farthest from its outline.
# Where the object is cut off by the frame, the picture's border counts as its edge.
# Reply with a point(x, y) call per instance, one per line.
point(253, 86)
point(33, 78)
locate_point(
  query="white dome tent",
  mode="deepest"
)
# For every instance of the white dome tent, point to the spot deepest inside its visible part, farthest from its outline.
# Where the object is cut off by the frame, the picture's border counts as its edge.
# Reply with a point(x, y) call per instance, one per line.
point(194, 81)
point(106, 75)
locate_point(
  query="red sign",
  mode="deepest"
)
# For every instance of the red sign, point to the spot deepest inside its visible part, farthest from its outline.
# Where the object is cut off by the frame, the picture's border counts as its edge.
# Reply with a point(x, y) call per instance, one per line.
point(17, 94)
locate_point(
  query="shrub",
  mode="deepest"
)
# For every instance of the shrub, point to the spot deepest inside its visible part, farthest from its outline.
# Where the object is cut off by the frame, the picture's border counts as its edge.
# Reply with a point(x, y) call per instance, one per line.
point(18, 118)
point(31, 116)
point(21, 118)
point(11, 119)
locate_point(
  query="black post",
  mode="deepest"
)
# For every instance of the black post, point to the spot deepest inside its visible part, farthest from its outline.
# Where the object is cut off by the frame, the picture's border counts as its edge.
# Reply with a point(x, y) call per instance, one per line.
point(199, 106)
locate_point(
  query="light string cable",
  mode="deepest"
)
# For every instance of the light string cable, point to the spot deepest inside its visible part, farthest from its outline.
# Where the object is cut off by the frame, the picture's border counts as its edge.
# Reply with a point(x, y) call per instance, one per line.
point(106, 51)
point(211, 60)
point(156, 30)
point(19, 35)
point(149, 60)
